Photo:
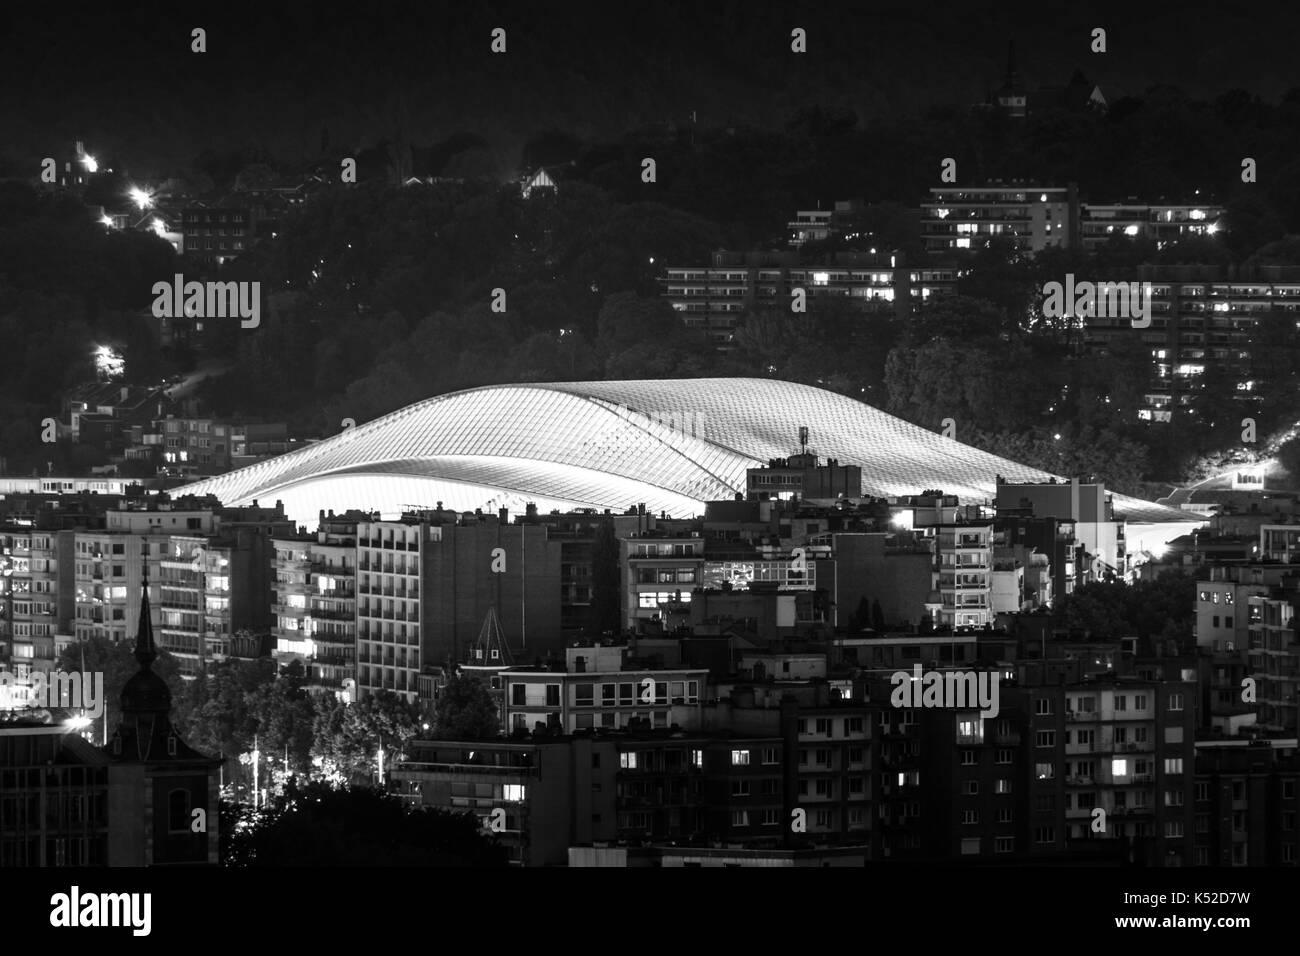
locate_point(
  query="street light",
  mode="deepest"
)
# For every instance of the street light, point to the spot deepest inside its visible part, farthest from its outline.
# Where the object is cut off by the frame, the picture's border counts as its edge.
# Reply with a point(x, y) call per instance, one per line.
point(140, 197)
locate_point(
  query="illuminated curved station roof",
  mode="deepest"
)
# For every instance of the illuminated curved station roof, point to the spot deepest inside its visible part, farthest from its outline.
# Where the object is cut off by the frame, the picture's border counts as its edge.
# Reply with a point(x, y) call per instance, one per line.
point(671, 444)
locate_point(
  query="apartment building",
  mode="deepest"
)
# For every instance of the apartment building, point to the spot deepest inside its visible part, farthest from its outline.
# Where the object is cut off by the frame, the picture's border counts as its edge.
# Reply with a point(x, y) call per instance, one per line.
point(1084, 513)
point(213, 599)
point(602, 688)
point(1246, 803)
point(714, 298)
point(963, 557)
point(110, 566)
point(391, 606)
point(1161, 223)
point(1121, 744)
point(36, 594)
point(214, 234)
point(1238, 321)
point(1031, 217)
point(1279, 542)
point(194, 446)
point(661, 569)
point(1273, 656)
point(54, 795)
point(316, 603)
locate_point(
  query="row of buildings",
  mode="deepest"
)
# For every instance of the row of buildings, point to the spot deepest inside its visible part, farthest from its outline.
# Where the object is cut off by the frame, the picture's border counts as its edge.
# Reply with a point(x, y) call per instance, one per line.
point(145, 425)
point(1095, 755)
point(371, 604)
point(1237, 323)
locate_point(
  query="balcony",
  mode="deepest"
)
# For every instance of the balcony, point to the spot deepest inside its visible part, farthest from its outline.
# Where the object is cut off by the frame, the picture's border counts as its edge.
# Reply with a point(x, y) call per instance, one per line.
point(469, 769)
point(1082, 715)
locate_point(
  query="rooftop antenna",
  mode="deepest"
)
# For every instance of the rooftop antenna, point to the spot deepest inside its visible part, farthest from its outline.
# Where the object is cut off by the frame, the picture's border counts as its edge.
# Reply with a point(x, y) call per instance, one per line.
point(803, 439)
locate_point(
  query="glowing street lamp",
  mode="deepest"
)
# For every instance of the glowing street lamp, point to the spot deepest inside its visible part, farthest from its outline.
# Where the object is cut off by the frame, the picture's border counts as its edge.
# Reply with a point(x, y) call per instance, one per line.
point(91, 164)
point(141, 198)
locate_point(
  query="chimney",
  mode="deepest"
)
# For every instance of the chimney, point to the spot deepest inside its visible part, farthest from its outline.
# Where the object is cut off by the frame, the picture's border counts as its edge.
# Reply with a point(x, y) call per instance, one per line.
point(503, 515)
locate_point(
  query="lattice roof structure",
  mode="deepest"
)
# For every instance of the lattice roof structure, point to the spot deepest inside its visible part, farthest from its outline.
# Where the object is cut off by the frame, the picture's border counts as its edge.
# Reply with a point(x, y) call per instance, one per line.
point(670, 444)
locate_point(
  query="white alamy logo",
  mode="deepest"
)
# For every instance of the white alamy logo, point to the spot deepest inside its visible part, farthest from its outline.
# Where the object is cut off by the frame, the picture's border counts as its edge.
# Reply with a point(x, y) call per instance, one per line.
point(77, 909)
point(1115, 300)
point(209, 300)
point(958, 690)
point(74, 691)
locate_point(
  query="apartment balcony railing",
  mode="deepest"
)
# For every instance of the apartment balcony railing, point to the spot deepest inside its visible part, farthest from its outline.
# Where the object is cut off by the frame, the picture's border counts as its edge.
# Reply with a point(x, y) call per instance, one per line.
point(333, 614)
point(468, 768)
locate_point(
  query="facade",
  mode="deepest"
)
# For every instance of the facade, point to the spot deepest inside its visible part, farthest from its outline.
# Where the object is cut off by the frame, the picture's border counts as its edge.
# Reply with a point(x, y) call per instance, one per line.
point(391, 604)
point(54, 794)
point(316, 603)
point(1031, 217)
point(601, 688)
point(1246, 803)
point(714, 298)
point(1087, 512)
point(215, 234)
point(1161, 223)
point(1273, 658)
point(1234, 321)
point(1124, 745)
point(36, 594)
point(660, 569)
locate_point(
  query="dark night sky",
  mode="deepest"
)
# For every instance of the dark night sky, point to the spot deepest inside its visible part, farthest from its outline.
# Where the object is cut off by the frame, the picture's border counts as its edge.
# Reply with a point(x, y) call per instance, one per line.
point(277, 74)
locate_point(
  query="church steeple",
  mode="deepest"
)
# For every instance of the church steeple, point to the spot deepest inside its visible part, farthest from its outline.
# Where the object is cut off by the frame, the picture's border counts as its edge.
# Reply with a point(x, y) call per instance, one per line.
point(1011, 97)
point(1013, 75)
point(145, 693)
point(146, 652)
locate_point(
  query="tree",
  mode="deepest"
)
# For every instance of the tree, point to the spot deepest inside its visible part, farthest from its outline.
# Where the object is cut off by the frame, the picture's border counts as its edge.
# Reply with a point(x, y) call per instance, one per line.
point(321, 825)
point(285, 716)
point(347, 737)
point(215, 715)
point(465, 711)
point(1288, 456)
point(1165, 607)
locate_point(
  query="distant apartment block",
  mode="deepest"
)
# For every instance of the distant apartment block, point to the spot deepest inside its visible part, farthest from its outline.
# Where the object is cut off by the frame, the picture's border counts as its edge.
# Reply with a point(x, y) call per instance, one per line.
point(1246, 803)
point(35, 595)
point(714, 298)
point(1031, 217)
point(660, 571)
point(316, 603)
point(1160, 223)
point(218, 233)
point(600, 689)
point(1237, 321)
point(1124, 745)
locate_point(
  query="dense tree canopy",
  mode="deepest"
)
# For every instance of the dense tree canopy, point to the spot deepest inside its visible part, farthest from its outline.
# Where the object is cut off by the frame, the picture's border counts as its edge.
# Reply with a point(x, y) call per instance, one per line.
point(465, 710)
point(322, 825)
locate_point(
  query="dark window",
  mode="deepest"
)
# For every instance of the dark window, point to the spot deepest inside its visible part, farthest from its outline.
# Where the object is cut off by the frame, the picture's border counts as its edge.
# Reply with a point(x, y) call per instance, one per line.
point(178, 811)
